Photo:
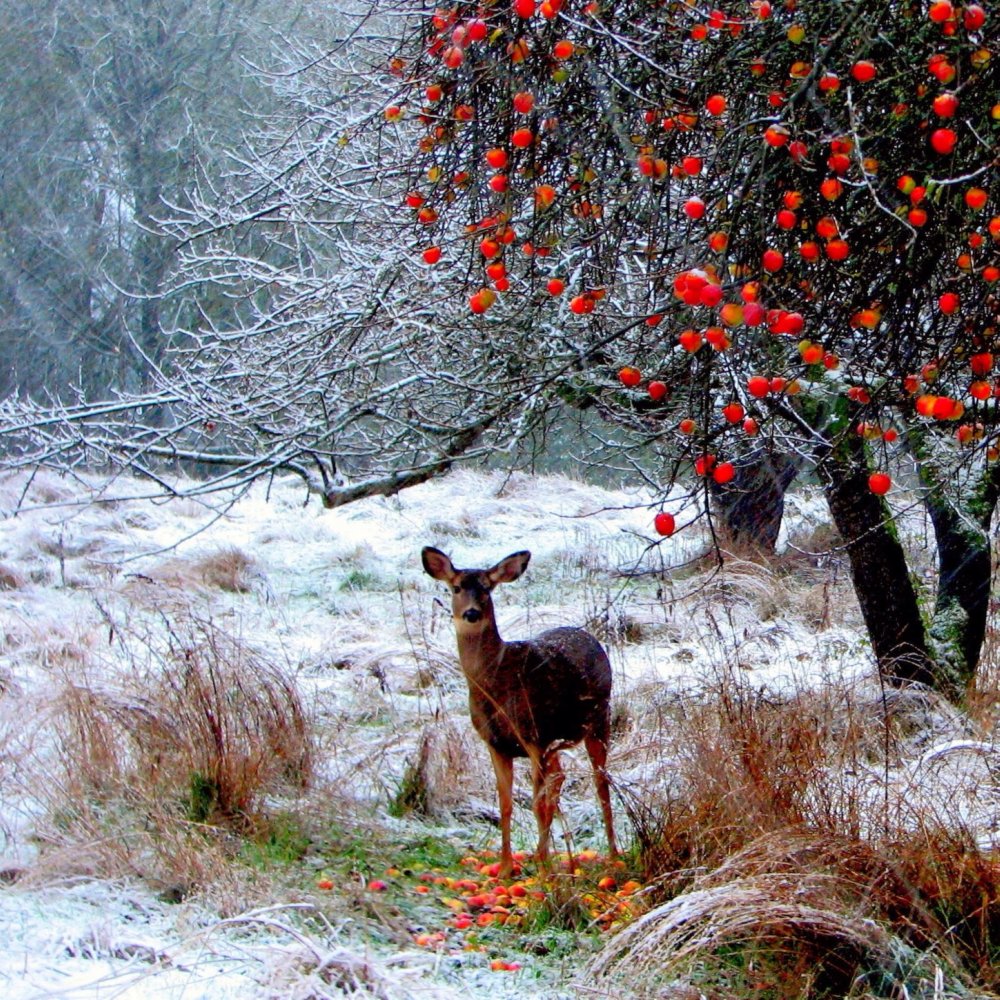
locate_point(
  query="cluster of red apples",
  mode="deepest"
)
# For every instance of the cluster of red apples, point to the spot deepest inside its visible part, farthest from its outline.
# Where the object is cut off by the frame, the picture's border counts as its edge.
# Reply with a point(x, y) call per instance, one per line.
point(512, 181)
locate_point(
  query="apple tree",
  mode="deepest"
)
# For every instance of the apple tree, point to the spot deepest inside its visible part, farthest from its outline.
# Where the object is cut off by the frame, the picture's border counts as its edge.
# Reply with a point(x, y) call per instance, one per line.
point(767, 228)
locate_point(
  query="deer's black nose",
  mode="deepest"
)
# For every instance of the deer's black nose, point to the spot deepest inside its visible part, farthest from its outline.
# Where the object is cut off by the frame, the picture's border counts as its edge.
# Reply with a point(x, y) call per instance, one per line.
point(472, 615)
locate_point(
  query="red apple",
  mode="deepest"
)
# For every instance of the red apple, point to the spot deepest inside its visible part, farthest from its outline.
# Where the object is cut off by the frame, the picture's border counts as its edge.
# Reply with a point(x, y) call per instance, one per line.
point(723, 473)
point(943, 140)
point(837, 249)
point(522, 138)
point(945, 105)
point(690, 340)
point(773, 260)
point(664, 523)
point(496, 158)
point(974, 17)
point(482, 300)
point(809, 250)
point(718, 241)
point(694, 208)
point(524, 102)
point(629, 376)
point(941, 11)
point(976, 198)
point(715, 105)
point(733, 412)
point(831, 188)
point(827, 227)
point(879, 483)
point(948, 303)
point(776, 135)
point(545, 196)
point(704, 464)
point(864, 70)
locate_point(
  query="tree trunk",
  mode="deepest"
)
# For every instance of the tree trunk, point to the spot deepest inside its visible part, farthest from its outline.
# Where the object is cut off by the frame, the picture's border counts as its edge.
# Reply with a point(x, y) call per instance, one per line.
point(879, 572)
point(961, 519)
point(753, 503)
point(958, 626)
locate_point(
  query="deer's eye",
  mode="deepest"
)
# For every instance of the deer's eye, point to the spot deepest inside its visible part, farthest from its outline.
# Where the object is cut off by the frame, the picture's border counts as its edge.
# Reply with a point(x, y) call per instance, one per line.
point(458, 590)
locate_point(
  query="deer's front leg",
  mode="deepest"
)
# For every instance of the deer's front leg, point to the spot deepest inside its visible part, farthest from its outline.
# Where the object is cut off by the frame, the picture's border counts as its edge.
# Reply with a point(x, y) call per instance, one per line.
point(547, 773)
point(503, 768)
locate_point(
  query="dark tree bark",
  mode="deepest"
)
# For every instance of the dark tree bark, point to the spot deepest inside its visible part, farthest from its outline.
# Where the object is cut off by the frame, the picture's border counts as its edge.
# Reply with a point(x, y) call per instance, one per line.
point(961, 517)
point(753, 503)
point(880, 573)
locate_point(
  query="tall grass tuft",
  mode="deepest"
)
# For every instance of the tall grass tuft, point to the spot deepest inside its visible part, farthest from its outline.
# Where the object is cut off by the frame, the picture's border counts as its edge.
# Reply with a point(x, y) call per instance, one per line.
point(180, 754)
point(805, 847)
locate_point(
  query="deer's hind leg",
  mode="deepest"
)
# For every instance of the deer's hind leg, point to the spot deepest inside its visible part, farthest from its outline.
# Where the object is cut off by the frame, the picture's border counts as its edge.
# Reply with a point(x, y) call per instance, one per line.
point(597, 750)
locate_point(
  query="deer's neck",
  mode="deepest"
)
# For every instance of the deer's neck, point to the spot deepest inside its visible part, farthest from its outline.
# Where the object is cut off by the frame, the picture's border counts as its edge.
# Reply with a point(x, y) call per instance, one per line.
point(480, 651)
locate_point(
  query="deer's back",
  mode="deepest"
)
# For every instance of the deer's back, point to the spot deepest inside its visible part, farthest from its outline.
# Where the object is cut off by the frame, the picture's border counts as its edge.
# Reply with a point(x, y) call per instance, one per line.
point(553, 688)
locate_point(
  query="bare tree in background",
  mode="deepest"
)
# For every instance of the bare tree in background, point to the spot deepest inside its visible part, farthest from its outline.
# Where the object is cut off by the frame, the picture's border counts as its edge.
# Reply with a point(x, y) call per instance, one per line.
point(323, 345)
point(107, 109)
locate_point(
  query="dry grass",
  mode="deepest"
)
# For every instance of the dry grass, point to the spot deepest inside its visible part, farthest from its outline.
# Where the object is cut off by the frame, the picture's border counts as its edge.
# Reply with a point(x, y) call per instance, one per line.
point(800, 851)
point(441, 776)
point(162, 769)
point(761, 936)
point(11, 578)
point(228, 569)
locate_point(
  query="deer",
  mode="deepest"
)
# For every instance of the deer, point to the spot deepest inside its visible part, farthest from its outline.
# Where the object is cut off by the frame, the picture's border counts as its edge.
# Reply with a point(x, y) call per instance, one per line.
point(530, 698)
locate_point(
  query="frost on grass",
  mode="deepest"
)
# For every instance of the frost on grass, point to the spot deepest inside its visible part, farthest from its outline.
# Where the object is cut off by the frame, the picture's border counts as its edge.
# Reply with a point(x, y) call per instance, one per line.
point(337, 604)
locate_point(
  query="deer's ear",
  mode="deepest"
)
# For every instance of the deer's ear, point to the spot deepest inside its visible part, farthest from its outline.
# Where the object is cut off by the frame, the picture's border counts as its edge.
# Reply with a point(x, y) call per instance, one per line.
point(437, 564)
point(509, 569)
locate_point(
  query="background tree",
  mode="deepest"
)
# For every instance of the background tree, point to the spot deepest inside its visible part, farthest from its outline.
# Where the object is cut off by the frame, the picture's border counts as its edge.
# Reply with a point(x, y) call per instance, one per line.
point(109, 111)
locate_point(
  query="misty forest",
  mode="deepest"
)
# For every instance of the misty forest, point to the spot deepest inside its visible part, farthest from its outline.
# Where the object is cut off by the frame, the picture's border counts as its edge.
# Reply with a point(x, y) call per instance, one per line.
point(497, 499)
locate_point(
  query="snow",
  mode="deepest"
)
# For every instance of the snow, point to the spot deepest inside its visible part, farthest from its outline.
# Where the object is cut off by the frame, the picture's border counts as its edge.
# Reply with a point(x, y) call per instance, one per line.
point(341, 599)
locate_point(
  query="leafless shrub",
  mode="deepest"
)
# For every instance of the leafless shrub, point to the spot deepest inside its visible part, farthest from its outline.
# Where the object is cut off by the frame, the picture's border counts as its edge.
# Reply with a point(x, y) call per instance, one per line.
point(11, 578)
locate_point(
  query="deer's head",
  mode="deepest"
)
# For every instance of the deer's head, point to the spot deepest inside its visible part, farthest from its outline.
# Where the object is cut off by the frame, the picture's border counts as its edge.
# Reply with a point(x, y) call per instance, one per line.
point(471, 603)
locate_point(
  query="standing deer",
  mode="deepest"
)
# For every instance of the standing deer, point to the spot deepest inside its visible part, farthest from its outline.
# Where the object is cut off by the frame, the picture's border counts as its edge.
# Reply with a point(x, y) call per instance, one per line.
point(528, 699)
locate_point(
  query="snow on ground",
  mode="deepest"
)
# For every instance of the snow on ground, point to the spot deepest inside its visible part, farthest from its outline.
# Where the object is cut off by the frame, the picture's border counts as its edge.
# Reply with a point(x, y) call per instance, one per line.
point(340, 598)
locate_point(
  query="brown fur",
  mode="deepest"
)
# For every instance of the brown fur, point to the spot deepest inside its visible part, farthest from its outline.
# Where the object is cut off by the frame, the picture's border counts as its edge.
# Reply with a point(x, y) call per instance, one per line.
point(529, 698)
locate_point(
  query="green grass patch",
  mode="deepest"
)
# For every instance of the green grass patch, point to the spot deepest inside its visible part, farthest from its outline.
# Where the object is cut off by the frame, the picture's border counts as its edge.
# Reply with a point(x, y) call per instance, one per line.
point(281, 843)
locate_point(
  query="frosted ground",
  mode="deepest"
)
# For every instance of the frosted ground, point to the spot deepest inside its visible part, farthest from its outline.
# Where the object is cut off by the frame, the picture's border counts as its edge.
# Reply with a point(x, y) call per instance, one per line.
point(339, 600)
